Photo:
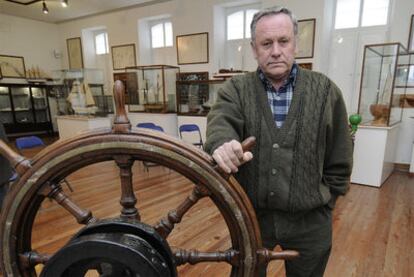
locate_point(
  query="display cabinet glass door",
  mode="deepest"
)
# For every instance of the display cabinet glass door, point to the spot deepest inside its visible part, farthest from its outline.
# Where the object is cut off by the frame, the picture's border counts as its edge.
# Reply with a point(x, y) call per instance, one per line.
point(22, 104)
point(6, 112)
point(40, 104)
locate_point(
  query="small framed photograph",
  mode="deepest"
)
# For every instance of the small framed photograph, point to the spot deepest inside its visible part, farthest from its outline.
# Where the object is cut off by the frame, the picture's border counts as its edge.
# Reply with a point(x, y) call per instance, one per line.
point(411, 36)
point(75, 56)
point(306, 38)
point(123, 56)
point(192, 48)
point(12, 66)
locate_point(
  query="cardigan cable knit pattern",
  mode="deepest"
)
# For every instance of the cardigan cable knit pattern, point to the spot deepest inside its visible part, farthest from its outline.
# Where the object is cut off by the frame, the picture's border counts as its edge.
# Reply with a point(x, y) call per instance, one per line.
point(300, 166)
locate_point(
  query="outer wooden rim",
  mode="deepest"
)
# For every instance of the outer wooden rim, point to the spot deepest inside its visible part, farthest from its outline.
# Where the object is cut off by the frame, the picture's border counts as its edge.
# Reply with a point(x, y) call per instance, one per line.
point(64, 157)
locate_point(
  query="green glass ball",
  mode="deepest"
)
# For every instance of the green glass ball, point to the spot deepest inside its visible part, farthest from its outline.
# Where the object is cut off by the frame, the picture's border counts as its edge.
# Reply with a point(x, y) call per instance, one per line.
point(355, 119)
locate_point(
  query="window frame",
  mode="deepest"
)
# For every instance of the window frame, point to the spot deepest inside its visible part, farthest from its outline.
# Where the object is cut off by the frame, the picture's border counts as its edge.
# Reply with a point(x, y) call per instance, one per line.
point(97, 33)
point(163, 22)
point(360, 16)
point(236, 9)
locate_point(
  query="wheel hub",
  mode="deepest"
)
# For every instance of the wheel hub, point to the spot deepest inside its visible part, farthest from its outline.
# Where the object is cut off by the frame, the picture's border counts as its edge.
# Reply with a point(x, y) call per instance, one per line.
point(113, 247)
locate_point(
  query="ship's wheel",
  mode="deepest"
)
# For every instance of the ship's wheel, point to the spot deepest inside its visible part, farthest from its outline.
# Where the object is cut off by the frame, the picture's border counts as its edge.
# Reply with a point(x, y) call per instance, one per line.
point(124, 246)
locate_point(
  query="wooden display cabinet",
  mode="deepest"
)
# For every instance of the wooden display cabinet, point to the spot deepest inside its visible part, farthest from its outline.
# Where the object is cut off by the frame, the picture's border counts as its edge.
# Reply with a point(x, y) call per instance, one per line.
point(24, 108)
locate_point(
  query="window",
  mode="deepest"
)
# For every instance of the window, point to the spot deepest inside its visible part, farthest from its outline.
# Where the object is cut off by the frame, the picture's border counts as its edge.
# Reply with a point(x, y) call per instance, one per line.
point(101, 43)
point(361, 13)
point(161, 35)
point(238, 23)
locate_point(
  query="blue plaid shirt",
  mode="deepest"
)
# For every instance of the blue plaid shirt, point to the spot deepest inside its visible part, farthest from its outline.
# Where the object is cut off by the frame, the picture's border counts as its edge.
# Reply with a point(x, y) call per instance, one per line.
point(279, 100)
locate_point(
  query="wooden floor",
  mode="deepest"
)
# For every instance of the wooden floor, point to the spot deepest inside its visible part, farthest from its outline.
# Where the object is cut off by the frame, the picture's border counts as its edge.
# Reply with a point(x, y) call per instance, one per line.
point(373, 228)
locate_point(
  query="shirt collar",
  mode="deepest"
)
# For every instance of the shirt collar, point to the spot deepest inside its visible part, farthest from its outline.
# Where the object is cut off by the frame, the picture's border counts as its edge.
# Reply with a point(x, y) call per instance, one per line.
point(290, 80)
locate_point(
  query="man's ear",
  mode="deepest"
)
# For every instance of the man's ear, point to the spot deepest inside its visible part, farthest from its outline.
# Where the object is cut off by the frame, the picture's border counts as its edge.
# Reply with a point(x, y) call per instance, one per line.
point(253, 47)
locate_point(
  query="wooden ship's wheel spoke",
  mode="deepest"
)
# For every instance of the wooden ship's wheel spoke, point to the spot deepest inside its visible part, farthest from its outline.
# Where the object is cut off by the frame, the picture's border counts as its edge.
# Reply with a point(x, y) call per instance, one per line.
point(166, 225)
point(128, 199)
point(192, 256)
point(54, 191)
point(124, 244)
point(32, 258)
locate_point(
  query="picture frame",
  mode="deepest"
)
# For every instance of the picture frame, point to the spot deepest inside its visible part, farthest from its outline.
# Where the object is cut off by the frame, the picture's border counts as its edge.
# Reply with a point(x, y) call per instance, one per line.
point(411, 35)
point(192, 48)
point(75, 55)
point(123, 56)
point(12, 66)
point(306, 38)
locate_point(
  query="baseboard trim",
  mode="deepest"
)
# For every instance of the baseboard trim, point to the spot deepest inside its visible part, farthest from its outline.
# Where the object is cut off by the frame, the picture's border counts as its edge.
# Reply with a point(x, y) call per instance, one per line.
point(402, 167)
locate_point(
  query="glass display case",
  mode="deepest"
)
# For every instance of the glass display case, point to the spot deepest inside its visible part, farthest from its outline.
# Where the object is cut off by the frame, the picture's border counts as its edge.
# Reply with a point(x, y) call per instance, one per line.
point(6, 111)
point(195, 96)
point(382, 84)
point(81, 91)
point(25, 108)
point(405, 79)
point(152, 88)
point(39, 96)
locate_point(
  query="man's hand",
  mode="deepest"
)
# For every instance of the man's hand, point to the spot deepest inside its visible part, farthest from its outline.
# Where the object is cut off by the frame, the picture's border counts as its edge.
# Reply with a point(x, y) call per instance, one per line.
point(230, 156)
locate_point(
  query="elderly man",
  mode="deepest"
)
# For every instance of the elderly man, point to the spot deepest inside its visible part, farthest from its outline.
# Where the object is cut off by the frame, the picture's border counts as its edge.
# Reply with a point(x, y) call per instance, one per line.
point(303, 157)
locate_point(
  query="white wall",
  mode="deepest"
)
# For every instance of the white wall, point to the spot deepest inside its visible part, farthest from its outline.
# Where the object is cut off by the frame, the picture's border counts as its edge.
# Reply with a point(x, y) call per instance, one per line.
point(34, 40)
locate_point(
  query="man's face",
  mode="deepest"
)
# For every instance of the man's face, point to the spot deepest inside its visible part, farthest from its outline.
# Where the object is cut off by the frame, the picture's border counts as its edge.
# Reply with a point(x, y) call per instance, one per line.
point(274, 47)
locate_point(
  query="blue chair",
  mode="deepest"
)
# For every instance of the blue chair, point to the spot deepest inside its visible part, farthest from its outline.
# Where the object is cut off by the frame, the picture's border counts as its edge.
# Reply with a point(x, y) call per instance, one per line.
point(157, 128)
point(29, 142)
point(145, 125)
point(151, 126)
point(32, 142)
point(192, 128)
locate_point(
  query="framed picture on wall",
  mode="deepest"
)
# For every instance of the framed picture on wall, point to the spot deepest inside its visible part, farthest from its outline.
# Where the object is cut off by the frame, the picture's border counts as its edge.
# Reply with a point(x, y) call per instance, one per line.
point(75, 56)
point(123, 56)
point(306, 38)
point(192, 48)
point(411, 35)
point(12, 66)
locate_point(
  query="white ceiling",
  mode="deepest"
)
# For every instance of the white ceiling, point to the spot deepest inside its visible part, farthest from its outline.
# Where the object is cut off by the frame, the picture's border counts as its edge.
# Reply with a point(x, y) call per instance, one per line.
point(76, 9)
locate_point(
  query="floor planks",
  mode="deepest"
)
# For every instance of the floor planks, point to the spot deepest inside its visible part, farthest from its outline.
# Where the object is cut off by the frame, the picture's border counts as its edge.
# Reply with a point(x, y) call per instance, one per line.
point(373, 228)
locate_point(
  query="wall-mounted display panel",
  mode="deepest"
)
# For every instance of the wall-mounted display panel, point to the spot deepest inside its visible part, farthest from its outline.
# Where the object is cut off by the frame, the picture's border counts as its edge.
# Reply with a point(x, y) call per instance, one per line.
point(192, 48)
point(12, 67)
point(123, 56)
point(75, 56)
point(306, 38)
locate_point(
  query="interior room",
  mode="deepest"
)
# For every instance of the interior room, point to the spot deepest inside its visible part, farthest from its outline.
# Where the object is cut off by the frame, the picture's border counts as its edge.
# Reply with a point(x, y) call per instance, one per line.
point(104, 108)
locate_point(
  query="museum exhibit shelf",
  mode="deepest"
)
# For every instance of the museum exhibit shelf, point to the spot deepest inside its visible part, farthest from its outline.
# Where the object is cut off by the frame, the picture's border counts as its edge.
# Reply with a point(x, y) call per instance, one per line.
point(374, 154)
point(151, 88)
point(24, 108)
point(381, 102)
point(196, 94)
point(86, 80)
point(383, 84)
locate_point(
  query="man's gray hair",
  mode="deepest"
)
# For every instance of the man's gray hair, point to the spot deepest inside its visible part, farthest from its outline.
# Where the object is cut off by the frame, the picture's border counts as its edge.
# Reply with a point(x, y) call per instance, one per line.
point(272, 11)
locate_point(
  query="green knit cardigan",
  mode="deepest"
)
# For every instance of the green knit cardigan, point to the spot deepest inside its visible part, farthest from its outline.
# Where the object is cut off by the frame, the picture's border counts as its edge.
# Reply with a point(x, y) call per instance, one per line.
point(302, 165)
